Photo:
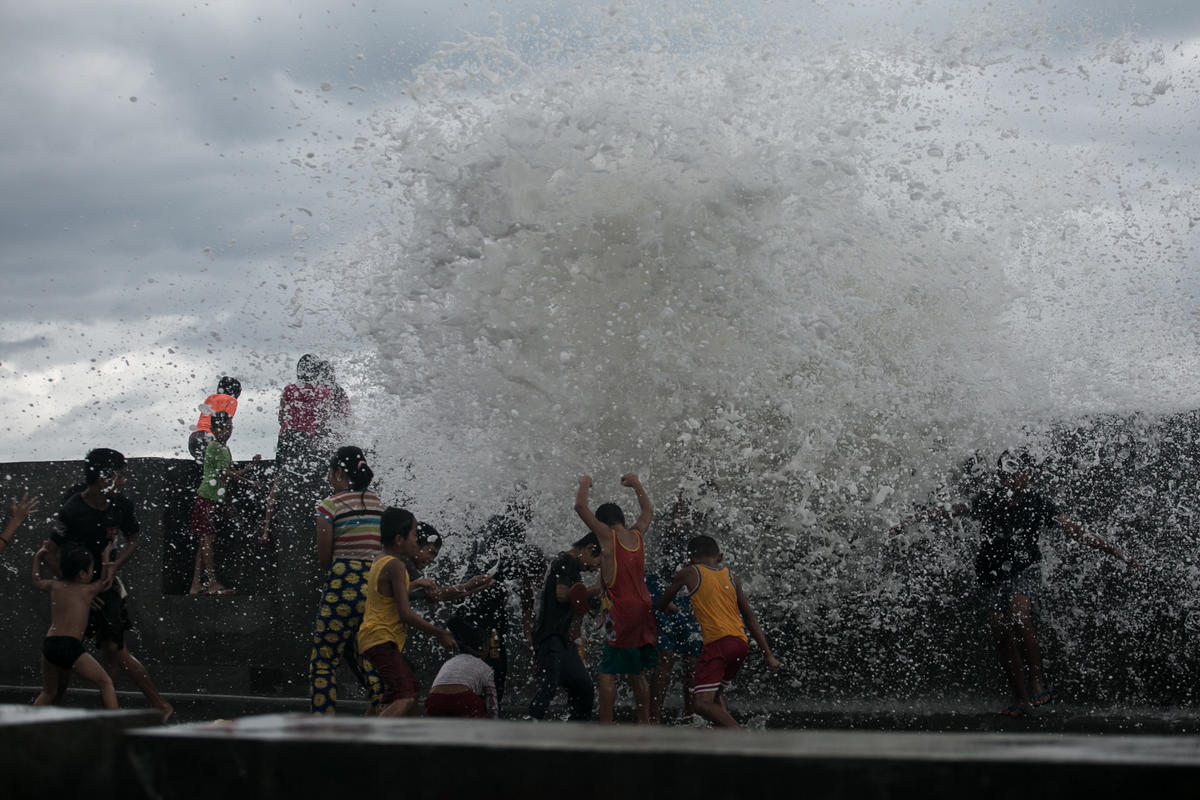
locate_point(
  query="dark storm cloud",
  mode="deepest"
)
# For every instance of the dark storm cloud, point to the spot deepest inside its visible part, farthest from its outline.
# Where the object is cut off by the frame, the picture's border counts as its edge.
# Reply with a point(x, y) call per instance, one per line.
point(158, 156)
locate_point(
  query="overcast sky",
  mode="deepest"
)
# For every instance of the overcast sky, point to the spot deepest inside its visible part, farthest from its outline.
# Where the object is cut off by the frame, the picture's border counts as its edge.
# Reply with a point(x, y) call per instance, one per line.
point(174, 183)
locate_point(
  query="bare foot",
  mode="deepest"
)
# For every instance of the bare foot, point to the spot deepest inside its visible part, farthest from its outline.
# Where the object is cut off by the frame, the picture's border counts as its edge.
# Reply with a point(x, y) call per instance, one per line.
point(167, 710)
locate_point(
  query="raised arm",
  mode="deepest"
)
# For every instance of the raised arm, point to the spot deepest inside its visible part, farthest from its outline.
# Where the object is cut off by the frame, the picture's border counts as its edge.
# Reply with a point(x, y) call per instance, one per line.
point(751, 620)
point(585, 512)
point(647, 508)
point(40, 583)
point(18, 511)
point(1092, 540)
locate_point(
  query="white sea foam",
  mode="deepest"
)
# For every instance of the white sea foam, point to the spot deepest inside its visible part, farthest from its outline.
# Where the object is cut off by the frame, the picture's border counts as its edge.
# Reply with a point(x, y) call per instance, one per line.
point(812, 267)
point(795, 278)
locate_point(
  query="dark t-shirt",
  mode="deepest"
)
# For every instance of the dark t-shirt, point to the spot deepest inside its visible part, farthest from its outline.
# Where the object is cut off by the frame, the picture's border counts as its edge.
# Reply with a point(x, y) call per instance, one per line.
point(1010, 528)
point(554, 618)
point(502, 552)
point(79, 523)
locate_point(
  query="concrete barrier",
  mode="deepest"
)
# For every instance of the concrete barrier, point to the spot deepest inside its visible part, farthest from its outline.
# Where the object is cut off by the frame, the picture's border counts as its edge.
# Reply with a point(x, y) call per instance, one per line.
point(298, 756)
point(60, 753)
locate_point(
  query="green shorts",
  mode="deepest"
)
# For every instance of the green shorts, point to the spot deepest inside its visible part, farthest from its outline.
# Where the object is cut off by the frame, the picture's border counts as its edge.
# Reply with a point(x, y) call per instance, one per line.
point(628, 660)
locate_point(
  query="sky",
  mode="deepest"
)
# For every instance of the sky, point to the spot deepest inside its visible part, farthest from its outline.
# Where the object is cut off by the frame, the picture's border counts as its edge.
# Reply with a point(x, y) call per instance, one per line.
point(177, 200)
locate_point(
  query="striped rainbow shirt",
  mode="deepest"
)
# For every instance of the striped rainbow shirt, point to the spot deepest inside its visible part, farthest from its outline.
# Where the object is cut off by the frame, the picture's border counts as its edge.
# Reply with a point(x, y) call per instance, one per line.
point(355, 519)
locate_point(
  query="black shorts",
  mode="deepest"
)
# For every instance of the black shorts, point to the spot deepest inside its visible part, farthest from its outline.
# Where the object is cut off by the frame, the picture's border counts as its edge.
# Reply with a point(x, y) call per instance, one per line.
point(62, 651)
point(109, 622)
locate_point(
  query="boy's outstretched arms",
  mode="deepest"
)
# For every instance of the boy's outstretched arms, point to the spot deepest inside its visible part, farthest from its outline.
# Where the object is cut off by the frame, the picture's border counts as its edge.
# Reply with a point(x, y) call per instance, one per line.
point(1093, 540)
point(751, 620)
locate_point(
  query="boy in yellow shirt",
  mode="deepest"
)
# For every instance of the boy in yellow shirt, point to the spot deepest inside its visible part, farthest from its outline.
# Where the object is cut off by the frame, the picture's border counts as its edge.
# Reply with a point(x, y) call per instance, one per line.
point(388, 616)
point(724, 614)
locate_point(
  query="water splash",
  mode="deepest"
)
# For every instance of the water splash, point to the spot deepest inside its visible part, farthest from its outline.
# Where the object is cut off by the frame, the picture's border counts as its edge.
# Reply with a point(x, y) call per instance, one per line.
point(796, 279)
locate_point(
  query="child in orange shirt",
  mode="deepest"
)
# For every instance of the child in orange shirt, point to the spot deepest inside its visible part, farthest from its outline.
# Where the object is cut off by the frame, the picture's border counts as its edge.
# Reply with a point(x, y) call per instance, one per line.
point(724, 614)
point(228, 391)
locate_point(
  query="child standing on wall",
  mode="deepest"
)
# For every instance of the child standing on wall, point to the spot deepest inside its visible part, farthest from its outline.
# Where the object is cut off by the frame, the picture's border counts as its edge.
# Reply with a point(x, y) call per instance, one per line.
point(724, 614)
point(71, 600)
point(388, 615)
point(630, 631)
point(210, 503)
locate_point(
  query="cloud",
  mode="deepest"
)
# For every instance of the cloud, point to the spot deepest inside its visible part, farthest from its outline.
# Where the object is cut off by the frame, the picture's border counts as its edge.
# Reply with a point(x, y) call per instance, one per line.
point(174, 168)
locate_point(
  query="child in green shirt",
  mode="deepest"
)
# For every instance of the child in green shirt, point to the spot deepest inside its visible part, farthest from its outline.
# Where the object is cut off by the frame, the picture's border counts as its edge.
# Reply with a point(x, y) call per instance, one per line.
point(210, 500)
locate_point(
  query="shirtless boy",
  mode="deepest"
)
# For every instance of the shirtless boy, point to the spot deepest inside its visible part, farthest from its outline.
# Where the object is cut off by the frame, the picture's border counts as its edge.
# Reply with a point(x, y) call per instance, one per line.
point(70, 601)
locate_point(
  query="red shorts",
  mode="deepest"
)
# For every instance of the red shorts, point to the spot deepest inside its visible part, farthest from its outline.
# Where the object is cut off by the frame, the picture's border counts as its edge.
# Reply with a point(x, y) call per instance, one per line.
point(719, 663)
point(204, 517)
point(461, 704)
point(399, 682)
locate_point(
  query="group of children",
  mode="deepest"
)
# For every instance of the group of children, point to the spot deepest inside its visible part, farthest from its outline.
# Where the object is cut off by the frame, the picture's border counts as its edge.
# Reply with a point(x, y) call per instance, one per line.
point(373, 555)
point(465, 684)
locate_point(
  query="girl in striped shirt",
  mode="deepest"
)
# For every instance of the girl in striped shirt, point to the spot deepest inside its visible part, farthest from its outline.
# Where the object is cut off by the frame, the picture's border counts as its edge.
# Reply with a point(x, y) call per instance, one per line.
point(347, 545)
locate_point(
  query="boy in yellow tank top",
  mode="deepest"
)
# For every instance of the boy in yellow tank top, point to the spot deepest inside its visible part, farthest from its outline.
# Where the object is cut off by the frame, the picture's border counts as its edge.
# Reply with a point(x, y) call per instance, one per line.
point(723, 612)
point(388, 615)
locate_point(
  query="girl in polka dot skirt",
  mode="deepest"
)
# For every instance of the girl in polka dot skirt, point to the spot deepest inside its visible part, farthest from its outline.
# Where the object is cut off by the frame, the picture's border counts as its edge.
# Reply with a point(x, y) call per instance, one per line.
point(347, 545)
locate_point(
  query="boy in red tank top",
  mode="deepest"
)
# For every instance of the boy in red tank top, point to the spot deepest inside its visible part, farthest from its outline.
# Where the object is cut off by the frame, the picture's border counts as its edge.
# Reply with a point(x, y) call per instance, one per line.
point(724, 614)
point(630, 631)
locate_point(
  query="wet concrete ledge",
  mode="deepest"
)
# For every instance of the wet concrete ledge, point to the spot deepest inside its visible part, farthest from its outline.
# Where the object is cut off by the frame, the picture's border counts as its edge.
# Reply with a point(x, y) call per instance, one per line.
point(62, 753)
point(937, 716)
point(296, 756)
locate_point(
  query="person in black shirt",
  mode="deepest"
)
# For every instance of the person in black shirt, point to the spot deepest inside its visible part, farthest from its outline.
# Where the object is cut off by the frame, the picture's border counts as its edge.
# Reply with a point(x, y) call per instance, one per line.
point(93, 516)
point(564, 601)
point(517, 566)
point(1008, 567)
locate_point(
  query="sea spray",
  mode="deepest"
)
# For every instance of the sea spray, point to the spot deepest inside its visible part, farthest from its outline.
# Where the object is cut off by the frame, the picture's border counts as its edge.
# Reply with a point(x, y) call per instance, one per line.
point(794, 280)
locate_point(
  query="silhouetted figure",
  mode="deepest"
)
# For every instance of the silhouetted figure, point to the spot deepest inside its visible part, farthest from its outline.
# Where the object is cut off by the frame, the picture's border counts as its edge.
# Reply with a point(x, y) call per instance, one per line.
point(517, 566)
point(1011, 517)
